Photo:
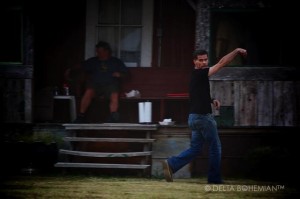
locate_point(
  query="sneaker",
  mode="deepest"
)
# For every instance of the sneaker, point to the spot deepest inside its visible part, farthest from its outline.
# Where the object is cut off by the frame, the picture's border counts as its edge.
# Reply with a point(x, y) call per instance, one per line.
point(79, 119)
point(114, 117)
point(167, 171)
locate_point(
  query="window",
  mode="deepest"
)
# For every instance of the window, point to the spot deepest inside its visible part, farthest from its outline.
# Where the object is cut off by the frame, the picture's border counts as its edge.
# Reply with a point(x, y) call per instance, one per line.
point(126, 25)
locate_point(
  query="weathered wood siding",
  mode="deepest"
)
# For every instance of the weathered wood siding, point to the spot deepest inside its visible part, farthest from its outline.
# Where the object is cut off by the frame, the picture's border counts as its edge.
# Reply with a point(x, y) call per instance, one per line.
point(261, 93)
point(16, 93)
point(258, 102)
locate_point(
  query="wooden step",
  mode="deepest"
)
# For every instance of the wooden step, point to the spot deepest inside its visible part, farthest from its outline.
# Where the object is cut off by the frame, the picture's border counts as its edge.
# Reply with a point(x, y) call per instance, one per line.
point(111, 126)
point(106, 155)
point(98, 165)
point(87, 139)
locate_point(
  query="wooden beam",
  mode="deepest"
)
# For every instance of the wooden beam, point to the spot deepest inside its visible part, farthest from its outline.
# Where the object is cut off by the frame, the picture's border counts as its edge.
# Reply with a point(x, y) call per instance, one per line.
point(105, 155)
point(112, 126)
point(257, 73)
point(102, 166)
point(85, 139)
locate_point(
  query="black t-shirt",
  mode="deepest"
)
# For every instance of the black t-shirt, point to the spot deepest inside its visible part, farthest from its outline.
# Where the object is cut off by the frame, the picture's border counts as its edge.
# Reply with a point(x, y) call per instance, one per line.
point(100, 72)
point(200, 101)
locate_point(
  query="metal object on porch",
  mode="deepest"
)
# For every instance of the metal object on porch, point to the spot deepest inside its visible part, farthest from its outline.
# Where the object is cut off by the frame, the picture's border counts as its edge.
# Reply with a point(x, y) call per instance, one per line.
point(64, 108)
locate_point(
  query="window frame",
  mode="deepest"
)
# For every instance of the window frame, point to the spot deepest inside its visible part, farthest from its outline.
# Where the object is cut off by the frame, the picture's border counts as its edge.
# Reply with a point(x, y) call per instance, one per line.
point(92, 13)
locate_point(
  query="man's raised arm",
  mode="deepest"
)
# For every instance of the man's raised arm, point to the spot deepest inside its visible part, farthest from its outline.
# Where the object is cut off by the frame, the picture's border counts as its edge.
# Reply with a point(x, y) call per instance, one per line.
point(226, 60)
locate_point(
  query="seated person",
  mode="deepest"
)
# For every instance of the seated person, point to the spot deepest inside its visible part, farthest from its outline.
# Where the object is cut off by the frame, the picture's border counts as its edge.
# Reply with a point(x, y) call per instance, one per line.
point(103, 74)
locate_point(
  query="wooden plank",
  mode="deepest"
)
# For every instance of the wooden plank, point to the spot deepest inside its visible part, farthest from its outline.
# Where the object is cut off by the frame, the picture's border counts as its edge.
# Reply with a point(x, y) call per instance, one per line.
point(85, 139)
point(223, 91)
point(28, 100)
point(289, 103)
point(257, 73)
point(278, 106)
point(264, 103)
point(245, 99)
point(297, 98)
point(16, 71)
point(112, 126)
point(236, 87)
point(106, 155)
point(285, 103)
point(100, 166)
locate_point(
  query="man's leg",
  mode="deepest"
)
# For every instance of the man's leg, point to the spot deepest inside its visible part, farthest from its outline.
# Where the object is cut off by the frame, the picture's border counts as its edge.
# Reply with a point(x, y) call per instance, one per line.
point(114, 102)
point(113, 107)
point(185, 157)
point(175, 163)
point(86, 100)
point(84, 104)
point(212, 136)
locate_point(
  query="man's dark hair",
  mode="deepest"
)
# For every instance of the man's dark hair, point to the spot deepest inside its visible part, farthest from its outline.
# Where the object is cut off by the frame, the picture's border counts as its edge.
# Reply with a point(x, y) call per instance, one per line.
point(199, 52)
point(104, 45)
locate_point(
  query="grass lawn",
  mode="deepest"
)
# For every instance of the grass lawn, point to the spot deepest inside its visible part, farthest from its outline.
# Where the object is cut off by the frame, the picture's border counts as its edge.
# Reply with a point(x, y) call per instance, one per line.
point(68, 186)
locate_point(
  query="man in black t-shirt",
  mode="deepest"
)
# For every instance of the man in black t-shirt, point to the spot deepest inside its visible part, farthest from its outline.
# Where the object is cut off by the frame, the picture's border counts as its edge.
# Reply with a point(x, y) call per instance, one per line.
point(201, 121)
point(103, 73)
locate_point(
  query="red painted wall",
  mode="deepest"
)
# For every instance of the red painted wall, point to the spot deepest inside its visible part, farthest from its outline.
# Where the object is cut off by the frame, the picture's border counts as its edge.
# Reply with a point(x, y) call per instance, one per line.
point(157, 82)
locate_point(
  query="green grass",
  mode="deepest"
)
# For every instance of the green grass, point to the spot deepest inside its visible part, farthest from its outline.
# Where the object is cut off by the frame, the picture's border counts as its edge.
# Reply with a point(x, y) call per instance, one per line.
point(121, 187)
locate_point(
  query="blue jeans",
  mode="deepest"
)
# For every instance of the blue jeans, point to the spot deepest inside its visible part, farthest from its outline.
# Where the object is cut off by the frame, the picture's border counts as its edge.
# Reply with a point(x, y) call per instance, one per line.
point(204, 129)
